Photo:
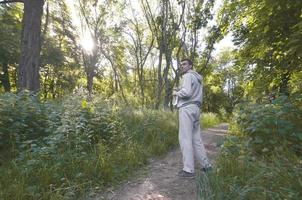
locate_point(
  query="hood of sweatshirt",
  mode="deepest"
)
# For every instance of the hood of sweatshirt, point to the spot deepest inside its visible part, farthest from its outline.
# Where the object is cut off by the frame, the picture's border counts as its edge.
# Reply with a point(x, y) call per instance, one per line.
point(198, 76)
point(190, 90)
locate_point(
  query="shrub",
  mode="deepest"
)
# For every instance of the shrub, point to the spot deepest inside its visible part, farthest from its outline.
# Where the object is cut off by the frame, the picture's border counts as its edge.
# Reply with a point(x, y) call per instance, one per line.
point(74, 146)
point(243, 176)
point(23, 120)
point(78, 145)
point(270, 126)
point(209, 120)
point(261, 156)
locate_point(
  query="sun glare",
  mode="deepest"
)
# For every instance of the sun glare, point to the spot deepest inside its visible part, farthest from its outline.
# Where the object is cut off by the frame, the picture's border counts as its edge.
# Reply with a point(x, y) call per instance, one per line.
point(87, 43)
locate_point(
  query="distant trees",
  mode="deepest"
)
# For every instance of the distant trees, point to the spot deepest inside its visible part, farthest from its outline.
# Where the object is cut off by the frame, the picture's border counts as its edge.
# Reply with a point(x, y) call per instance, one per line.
point(270, 48)
point(136, 53)
point(10, 29)
point(164, 32)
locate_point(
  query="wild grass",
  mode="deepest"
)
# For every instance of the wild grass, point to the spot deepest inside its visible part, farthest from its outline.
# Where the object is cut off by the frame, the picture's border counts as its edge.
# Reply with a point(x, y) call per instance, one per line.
point(209, 120)
point(261, 156)
point(276, 177)
point(67, 149)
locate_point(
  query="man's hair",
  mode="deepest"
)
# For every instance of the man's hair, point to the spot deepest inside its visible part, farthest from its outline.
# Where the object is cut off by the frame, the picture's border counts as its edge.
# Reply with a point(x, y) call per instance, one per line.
point(188, 60)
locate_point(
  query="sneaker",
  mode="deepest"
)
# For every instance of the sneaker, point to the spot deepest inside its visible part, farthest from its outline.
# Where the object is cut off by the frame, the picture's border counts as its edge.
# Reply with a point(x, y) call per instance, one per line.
point(206, 169)
point(185, 174)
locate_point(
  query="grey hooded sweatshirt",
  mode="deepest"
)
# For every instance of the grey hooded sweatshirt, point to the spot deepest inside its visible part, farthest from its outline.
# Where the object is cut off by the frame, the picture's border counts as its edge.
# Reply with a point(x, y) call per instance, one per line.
point(191, 89)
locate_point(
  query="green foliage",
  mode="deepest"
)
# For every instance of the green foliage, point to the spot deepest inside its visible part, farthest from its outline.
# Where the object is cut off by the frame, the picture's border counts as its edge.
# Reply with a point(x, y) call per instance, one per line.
point(24, 120)
point(10, 29)
point(261, 156)
point(268, 34)
point(272, 126)
point(247, 177)
point(67, 149)
point(209, 120)
point(149, 129)
point(214, 97)
point(222, 85)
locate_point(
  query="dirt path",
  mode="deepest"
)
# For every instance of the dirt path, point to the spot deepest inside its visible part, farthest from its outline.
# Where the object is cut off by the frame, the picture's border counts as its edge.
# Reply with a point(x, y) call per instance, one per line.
point(159, 180)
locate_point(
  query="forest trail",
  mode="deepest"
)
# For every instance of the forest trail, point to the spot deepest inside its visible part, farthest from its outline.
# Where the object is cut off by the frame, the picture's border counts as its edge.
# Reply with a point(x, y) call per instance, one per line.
point(159, 180)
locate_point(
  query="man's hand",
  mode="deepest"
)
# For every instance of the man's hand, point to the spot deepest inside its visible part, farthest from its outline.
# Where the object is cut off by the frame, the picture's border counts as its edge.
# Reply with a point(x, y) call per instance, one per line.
point(174, 93)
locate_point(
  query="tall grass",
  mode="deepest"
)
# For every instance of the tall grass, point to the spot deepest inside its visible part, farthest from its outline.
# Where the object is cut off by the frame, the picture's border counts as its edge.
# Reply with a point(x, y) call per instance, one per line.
point(246, 178)
point(209, 120)
point(65, 150)
point(261, 156)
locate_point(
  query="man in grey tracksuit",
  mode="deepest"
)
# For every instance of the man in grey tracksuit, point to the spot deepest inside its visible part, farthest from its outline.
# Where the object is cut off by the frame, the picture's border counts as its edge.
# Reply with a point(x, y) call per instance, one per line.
point(189, 97)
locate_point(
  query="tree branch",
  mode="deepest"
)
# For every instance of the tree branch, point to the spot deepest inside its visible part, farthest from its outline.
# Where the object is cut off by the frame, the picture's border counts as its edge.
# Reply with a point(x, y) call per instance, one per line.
point(11, 1)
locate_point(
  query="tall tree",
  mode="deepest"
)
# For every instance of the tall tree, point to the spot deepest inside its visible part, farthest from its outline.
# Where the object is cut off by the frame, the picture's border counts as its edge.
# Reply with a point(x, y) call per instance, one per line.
point(165, 27)
point(93, 14)
point(60, 65)
point(140, 45)
point(268, 34)
point(28, 70)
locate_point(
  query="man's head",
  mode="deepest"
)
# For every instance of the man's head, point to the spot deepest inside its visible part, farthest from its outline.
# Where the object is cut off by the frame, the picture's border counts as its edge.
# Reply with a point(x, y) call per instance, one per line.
point(185, 65)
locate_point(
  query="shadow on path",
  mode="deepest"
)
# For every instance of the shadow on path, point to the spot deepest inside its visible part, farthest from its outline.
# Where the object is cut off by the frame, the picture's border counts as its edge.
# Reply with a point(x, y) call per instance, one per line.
point(159, 180)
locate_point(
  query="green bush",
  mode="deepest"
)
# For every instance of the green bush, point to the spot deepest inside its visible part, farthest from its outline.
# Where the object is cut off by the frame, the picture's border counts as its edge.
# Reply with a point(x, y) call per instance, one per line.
point(76, 146)
point(270, 126)
point(248, 177)
point(154, 128)
point(62, 150)
point(23, 120)
point(261, 156)
point(209, 120)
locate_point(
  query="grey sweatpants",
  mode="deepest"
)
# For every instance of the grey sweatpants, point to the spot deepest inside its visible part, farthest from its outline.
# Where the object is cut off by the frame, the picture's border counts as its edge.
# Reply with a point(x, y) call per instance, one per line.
point(190, 138)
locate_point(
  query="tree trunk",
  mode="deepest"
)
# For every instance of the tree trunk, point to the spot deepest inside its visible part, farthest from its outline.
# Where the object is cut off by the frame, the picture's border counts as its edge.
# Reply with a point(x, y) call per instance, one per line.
point(162, 47)
point(4, 78)
point(194, 45)
point(160, 80)
point(28, 72)
point(90, 62)
point(90, 75)
point(167, 99)
point(142, 86)
point(167, 81)
point(46, 86)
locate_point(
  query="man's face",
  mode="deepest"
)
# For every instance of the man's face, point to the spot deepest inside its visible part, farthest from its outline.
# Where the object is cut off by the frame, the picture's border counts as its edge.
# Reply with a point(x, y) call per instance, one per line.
point(184, 66)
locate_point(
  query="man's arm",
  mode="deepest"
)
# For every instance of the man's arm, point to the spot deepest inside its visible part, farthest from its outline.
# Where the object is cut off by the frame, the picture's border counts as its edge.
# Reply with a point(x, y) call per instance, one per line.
point(186, 87)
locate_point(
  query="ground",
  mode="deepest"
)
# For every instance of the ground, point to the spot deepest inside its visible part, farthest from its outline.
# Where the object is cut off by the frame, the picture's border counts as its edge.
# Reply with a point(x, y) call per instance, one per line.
point(159, 180)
